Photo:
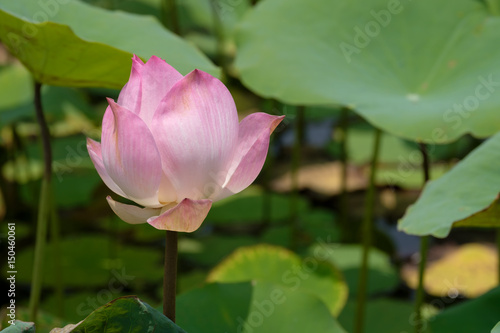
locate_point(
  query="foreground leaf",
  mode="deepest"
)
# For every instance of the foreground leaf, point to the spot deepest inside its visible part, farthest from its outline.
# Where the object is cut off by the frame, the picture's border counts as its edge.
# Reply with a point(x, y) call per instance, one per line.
point(467, 196)
point(83, 45)
point(126, 314)
point(20, 327)
point(496, 329)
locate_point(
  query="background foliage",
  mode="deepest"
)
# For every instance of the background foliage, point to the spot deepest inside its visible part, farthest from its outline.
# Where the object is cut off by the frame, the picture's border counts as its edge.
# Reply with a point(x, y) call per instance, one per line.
point(285, 254)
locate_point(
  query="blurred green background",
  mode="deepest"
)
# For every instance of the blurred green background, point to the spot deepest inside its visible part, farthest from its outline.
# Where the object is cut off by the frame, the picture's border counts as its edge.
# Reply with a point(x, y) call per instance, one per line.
point(300, 201)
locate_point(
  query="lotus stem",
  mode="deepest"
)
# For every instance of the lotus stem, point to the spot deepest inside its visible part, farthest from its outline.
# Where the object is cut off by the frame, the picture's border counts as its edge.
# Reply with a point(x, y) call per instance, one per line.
point(171, 10)
point(424, 247)
point(44, 207)
point(367, 237)
point(55, 236)
point(170, 275)
point(342, 130)
point(297, 152)
point(266, 197)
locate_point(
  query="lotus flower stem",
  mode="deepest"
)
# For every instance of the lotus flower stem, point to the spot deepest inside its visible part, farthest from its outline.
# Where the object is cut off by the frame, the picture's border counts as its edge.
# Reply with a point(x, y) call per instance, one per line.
point(342, 129)
point(425, 163)
point(424, 247)
point(367, 238)
point(297, 152)
point(266, 197)
point(43, 208)
point(55, 234)
point(170, 275)
point(170, 7)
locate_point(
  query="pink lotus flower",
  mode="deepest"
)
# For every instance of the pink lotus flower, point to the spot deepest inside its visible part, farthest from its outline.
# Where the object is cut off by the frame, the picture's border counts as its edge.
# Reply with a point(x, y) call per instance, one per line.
point(173, 145)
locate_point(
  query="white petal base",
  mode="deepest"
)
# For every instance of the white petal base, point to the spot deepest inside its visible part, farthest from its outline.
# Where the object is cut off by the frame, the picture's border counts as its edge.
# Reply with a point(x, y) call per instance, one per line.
point(130, 213)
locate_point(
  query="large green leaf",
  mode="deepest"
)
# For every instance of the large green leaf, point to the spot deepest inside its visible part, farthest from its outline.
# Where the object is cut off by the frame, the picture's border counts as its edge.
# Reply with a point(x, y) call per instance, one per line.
point(467, 195)
point(286, 269)
point(71, 43)
point(478, 315)
point(253, 307)
point(126, 314)
point(423, 70)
